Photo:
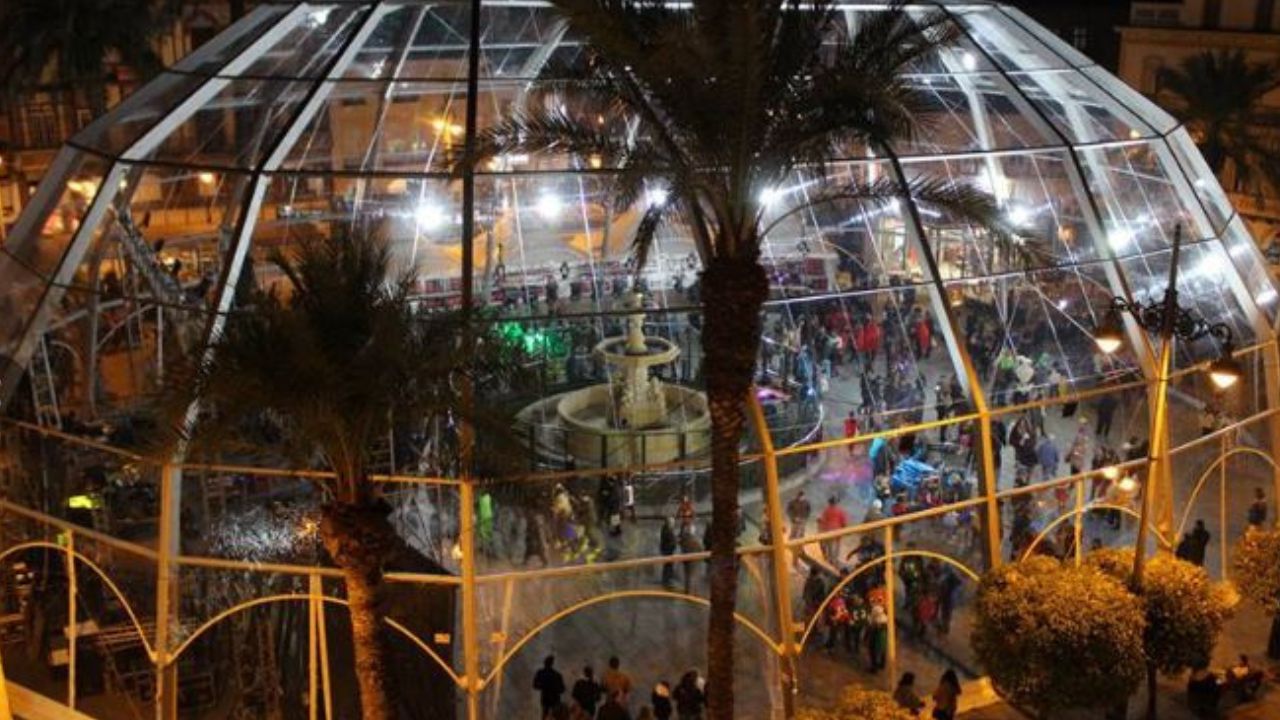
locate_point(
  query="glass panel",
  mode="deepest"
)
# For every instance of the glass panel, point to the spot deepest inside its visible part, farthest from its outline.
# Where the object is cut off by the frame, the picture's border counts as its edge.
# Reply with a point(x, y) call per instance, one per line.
point(1039, 197)
point(1204, 288)
point(116, 131)
point(41, 251)
point(518, 42)
point(1253, 268)
point(210, 58)
point(1162, 121)
point(1140, 199)
point(1078, 108)
point(1010, 46)
point(383, 127)
point(307, 49)
point(236, 128)
point(971, 112)
point(1068, 53)
point(1202, 179)
point(1030, 336)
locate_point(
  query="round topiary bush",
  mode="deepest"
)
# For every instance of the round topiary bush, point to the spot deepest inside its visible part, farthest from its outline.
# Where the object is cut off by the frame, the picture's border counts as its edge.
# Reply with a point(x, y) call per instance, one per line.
point(859, 704)
point(1054, 636)
point(1256, 570)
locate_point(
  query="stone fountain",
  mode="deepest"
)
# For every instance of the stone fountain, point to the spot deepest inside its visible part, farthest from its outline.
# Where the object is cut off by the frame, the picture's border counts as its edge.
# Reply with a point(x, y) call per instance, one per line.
point(635, 418)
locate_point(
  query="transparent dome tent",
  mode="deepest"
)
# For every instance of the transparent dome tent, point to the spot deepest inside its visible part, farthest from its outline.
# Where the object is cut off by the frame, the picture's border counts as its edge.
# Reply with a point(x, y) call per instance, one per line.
point(307, 120)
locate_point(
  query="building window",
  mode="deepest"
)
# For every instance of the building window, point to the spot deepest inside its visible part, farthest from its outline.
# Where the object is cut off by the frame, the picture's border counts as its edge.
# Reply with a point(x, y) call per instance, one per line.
point(1080, 37)
point(1151, 74)
point(42, 127)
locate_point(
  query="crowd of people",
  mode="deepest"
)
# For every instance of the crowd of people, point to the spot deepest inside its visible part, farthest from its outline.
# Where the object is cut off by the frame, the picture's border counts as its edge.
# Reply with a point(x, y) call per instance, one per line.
point(614, 696)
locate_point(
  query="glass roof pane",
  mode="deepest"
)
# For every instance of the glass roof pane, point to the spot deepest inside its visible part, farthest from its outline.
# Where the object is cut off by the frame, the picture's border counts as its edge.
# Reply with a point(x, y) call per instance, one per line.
point(1056, 44)
point(972, 112)
point(209, 58)
point(866, 240)
point(1037, 195)
point(1201, 178)
point(1078, 108)
point(236, 128)
point(1009, 45)
point(417, 41)
point(113, 133)
point(1032, 335)
point(1162, 121)
point(962, 56)
point(1203, 288)
point(1140, 201)
point(1253, 268)
point(307, 49)
point(518, 42)
point(413, 127)
point(41, 251)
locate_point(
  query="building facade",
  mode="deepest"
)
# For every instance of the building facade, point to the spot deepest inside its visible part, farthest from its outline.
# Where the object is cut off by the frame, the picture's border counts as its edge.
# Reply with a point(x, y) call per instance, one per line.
point(35, 122)
point(1162, 34)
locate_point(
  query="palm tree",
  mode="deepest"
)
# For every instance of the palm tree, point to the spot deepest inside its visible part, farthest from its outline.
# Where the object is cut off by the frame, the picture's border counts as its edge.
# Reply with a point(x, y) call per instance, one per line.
point(65, 45)
point(1219, 96)
point(334, 368)
point(716, 106)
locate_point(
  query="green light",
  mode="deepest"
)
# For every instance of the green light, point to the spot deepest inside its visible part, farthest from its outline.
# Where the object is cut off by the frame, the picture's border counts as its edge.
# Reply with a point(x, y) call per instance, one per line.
point(83, 502)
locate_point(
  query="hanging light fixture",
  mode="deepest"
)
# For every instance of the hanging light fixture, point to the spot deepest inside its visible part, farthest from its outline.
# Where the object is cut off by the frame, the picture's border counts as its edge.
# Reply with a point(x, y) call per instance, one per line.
point(1110, 335)
point(1225, 372)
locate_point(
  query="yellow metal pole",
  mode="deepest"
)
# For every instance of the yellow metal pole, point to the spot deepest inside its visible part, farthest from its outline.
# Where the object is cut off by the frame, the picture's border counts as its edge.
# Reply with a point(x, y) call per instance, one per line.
point(313, 695)
point(1157, 472)
point(890, 601)
point(167, 549)
point(781, 563)
point(1222, 510)
point(71, 619)
point(5, 712)
point(990, 486)
point(322, 635)
point(470, 637)
point(1079, 521)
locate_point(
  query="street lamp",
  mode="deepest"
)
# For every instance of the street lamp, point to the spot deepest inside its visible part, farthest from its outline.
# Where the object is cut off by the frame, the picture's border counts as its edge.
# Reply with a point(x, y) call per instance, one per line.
point(1172, 322)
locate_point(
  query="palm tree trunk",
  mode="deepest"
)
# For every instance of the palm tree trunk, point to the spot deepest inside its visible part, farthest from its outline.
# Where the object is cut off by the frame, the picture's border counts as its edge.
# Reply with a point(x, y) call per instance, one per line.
point(733, 294)
point(357, 538)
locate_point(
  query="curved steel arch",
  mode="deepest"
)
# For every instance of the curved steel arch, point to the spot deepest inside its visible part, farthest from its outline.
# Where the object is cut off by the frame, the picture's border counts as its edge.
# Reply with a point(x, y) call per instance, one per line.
point(1161, 539)
point(1204, 478)
point(609, 597)
point(133, 618)
point(297, 597)
point(813, 621)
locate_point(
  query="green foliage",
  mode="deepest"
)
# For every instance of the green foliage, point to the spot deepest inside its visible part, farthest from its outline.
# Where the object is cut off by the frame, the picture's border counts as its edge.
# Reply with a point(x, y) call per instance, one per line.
point(1184, 609)
point(335, 365)
point(1257, 568)
point(859, 704)
point(1054, 636)
point(1219, 95)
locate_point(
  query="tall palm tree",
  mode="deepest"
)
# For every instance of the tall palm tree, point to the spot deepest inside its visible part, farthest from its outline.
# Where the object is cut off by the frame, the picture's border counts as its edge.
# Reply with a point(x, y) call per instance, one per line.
point(334, 368)
point(1219, 96)
point(716, 105)
point(65, 45)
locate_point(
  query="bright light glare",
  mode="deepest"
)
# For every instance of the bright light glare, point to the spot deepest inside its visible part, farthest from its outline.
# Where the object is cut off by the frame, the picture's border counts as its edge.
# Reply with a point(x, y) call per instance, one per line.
point(1120, 239)
point(429, 215)
point(1108, 344)
point(1019, 215)
point(969, 61)
point(319, 17)
point(1128, 484)
point(770, 196)
point(654, 197)
point(548, 206)
point(207, 178)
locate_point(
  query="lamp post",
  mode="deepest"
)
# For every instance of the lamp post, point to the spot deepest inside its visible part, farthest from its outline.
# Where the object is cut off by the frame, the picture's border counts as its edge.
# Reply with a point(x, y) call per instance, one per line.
point(1172, 322)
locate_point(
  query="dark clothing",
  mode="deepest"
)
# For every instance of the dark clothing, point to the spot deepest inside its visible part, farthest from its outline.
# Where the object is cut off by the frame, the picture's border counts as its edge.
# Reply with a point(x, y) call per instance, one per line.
point(587, 694)
point(661, 706)
point(689, 700)
point(551, 685)
point(613, 711)
point(1258, 513)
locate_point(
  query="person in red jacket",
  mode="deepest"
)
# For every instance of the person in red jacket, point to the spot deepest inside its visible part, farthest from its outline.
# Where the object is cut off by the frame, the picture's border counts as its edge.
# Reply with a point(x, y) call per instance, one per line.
point(832, 518)
point(851, 430)
point(924, 337)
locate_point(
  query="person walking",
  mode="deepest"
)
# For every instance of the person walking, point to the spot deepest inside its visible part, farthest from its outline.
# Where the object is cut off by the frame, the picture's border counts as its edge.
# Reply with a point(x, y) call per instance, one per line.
point(689, 698)
point(1199, 543)
point(946, 697)
point(798, 511)
point(550, 685)
point(878, 637)
point(1106, 410)
point(660, 698)
point(905, 694)
point(667, 544)
point(1258, 509)
point(832, 518)
point(851, 430)
point(1047, 454)
point(689, 544)
point(617, 682)
point(587, 692)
